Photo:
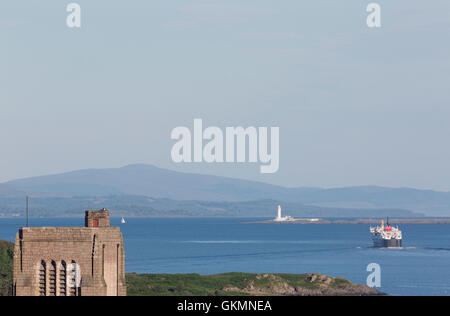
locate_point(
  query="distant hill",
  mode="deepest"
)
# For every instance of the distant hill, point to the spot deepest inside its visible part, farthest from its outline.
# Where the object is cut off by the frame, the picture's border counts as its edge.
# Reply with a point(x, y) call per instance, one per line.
point(150, 181)
point(432, 203)
point(10, 191)
point(142, 206)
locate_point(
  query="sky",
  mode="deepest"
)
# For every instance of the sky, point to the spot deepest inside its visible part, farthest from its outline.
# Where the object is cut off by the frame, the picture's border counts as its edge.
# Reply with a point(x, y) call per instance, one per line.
point(355, 105)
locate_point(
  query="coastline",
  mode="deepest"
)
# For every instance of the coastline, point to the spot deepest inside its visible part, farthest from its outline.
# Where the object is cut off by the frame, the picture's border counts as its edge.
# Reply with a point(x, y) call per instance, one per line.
point(305, 221)
point(245, 284)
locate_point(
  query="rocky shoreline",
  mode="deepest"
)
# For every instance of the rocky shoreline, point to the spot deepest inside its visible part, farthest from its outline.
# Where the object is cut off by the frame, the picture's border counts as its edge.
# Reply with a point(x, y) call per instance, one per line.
point(322, 285)
point(245, 284)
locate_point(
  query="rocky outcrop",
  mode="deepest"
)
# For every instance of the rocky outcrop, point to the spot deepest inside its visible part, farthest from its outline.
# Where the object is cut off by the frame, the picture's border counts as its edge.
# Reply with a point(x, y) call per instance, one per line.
point(312, 284)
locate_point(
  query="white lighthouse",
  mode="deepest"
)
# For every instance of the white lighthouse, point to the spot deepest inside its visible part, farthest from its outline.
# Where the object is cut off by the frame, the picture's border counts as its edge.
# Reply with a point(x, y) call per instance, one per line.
point(280, 218)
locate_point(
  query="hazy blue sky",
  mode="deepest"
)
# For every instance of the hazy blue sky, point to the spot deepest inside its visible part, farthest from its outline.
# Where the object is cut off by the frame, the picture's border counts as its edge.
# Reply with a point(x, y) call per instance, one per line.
point(354, 105)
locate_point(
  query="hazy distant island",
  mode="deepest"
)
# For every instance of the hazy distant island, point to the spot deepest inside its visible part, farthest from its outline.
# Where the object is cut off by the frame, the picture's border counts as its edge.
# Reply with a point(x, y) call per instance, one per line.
point(148, 191)
point(280, 219)
point(228, 284)
point(142, 206)
point(355, 221)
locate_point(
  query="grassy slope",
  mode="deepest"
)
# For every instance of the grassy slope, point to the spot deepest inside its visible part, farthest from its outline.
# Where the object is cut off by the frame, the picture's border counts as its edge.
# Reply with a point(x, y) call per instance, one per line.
point(241, 284)
point(6, 267)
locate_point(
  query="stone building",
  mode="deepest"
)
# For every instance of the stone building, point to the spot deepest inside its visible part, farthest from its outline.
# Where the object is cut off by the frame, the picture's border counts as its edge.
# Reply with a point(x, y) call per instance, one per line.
point(70, 261)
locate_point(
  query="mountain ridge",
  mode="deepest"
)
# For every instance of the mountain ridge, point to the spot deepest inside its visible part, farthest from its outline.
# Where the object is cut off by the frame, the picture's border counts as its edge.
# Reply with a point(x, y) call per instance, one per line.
point(155, 182)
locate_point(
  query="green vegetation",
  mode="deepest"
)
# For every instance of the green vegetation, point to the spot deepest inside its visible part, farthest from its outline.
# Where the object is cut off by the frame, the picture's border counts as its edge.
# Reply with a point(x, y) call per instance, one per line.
point(228, 284)
point(6, 267)
point(182, 284)
point(242, 284)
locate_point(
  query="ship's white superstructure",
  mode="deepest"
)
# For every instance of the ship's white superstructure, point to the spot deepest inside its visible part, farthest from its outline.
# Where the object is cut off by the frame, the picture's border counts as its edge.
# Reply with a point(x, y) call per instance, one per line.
point(386, 236)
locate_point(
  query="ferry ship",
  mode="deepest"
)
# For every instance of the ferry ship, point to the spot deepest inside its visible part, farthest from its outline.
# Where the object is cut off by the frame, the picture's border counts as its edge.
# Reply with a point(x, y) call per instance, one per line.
point(386, 236)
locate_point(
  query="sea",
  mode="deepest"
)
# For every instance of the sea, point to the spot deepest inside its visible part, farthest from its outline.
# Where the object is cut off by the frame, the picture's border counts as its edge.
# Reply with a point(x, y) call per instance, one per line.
point(218, 245)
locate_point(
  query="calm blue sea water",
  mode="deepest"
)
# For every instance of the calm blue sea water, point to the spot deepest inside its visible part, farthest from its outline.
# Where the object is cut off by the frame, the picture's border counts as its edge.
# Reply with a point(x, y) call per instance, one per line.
point(216, 245)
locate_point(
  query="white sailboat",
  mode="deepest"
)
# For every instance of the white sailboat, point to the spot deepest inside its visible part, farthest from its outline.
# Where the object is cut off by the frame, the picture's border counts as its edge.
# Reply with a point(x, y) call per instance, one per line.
point(123, 221)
